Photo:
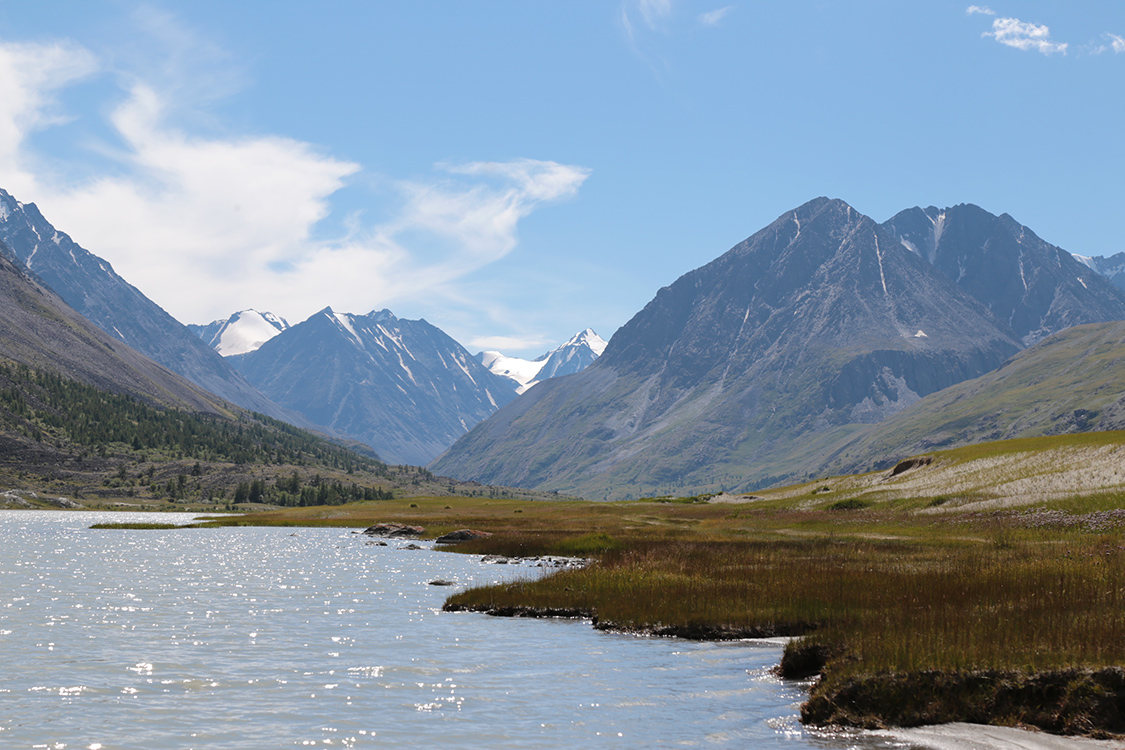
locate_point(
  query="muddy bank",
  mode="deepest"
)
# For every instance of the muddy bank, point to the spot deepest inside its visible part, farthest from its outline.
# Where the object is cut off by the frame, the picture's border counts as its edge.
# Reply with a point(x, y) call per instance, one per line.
point(1085, 702)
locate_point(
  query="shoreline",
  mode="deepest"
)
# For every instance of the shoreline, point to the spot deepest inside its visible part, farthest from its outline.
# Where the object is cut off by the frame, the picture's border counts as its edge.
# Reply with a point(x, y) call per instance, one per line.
point(1071, 709)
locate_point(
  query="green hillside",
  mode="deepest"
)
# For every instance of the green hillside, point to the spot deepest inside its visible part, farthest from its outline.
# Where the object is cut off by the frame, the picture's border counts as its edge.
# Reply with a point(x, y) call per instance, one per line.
point(1071, 382)
point(67, 444)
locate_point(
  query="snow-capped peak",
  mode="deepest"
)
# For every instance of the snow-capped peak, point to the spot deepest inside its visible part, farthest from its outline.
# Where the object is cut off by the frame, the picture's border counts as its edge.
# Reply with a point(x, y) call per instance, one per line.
point(576, 354)
point(596, 343)
point(242, 332)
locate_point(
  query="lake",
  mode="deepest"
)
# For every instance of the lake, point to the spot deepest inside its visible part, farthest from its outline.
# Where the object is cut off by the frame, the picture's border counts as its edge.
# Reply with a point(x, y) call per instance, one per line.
point(277, 638)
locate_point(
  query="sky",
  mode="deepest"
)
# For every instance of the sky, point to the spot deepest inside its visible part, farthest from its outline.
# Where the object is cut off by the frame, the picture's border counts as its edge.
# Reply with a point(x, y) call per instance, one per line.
point(514, 172)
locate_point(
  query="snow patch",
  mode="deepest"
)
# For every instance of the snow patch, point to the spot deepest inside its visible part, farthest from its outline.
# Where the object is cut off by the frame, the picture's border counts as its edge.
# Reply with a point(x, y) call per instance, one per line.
point(246, 331)
point(879, 257)
point(345, 321)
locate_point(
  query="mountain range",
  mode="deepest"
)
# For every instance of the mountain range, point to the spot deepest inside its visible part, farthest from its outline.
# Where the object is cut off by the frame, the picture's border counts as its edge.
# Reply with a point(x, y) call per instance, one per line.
point(38, 329)
point(824, 342)
point(402, 386)
point(1112, 267)
point(573, 356)
point(1034, 287)
point(760, 365)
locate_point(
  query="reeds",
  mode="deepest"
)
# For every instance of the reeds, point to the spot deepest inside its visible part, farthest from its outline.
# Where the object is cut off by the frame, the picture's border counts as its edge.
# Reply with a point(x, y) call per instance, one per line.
point(888, 605)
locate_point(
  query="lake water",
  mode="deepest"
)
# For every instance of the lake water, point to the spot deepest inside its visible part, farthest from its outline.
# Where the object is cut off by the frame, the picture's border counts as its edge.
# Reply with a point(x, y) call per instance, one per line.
point(279, 638)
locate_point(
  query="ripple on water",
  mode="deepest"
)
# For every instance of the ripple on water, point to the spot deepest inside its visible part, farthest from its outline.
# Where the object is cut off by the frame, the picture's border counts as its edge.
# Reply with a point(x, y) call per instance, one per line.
point(251, 638)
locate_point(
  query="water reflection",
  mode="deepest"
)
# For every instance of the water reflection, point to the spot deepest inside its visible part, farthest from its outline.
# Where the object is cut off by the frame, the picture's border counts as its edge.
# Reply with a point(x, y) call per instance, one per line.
point(252, 638)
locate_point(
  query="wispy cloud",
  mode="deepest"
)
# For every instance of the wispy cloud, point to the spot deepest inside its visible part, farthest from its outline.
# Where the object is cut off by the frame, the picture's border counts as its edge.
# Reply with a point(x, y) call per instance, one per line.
point(1113, 43)
point(654, 12)
point(30, 77)
point(207, 224)
point(641, 18)
point(981, 9)
point(1025, 36)
point(714, 17)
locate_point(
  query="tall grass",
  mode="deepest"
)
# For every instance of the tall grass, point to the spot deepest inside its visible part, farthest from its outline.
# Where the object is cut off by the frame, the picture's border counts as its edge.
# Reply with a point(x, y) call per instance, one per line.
point(889, 606)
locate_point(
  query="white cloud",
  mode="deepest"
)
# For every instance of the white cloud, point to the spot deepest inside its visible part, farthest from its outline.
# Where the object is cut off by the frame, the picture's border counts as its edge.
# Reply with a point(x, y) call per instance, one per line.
point(1026, 36)
point(982, 9)
point(1117, 43)
point(30, 75)
point(712, 18)
point(205, 225)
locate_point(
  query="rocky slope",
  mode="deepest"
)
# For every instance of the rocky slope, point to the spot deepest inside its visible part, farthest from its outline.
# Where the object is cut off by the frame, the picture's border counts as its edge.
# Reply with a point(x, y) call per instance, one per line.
point(1031, 285)
point(90, 286)
point(40, 330)
point(402, 386)
point(743, 370)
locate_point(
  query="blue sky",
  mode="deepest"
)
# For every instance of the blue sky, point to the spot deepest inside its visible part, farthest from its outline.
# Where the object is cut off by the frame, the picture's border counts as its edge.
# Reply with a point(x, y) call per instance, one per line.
point(516, 171)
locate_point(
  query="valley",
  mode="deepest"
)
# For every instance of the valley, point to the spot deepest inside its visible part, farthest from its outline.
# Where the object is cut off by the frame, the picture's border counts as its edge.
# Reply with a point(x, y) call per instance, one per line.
point(824, 434)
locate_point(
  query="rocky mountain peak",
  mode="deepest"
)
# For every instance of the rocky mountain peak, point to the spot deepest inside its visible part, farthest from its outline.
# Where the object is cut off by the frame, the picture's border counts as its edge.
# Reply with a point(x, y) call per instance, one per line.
point(818, 321)
point(1028, 284)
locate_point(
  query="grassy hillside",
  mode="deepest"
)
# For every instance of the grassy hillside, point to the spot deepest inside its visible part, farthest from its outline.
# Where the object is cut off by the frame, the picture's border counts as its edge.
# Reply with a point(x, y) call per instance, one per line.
point(1071, 382)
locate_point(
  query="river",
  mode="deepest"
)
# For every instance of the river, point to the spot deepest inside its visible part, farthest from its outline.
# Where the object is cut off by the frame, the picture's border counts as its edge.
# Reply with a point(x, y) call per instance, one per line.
point(277, 638)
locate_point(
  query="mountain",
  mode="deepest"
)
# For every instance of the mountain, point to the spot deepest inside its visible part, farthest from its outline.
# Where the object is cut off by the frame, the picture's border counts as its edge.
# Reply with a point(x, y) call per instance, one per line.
point(242, 332)
point(1073, 381)
point(1031, 285)
point(38, 329)
point(1112, 267)
point(575, 355)
point(402, 386)
point(90, 286)
point(744, 370)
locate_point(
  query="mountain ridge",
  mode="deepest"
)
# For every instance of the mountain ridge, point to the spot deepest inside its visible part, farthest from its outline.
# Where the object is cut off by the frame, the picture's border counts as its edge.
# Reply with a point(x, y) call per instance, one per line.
point(575, 354)
point(810, 326)
point(91, 287)
point(404, 387)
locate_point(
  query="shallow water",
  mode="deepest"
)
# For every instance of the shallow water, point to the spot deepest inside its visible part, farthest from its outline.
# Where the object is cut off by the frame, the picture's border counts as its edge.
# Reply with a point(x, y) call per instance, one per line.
point(272, 638)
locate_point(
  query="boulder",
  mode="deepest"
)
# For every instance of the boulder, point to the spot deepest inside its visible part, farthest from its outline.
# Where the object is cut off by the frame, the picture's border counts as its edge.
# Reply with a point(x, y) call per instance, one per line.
point(462, 535)
point(394, 530)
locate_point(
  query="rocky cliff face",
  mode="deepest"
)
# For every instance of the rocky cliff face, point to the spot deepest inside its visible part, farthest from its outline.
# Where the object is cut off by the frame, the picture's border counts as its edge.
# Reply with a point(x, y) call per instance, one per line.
point(89, 285)
point(735, 374)
point(1034, 287)
point(402, 386)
